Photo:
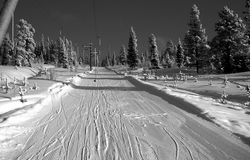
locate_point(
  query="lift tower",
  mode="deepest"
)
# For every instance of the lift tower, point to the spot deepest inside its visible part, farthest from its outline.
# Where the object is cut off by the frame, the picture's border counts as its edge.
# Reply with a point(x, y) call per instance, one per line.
point(90, 54)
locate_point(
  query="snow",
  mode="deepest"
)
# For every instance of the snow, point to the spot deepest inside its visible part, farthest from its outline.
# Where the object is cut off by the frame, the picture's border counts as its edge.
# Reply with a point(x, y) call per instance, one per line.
point(151, 133)
point(230, 116)
point(13, 113)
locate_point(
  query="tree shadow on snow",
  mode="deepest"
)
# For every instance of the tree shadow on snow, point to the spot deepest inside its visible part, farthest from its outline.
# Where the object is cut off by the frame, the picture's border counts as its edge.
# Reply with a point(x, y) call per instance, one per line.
point(44, 79)
point(5, 116)
point(99, 74)
point(178, 102)
point(107, 78)
point(111, 88)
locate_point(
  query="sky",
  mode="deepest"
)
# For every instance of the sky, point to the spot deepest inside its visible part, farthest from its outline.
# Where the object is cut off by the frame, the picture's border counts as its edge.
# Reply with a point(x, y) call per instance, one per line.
point(166, 19)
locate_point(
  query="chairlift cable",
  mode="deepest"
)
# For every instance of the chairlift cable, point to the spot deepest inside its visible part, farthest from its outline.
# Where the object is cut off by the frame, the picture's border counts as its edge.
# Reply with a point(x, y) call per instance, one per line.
point(52, 17)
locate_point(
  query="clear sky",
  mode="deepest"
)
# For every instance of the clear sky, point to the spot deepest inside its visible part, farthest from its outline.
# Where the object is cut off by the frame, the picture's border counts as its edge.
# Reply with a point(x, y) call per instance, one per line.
point(166, 19)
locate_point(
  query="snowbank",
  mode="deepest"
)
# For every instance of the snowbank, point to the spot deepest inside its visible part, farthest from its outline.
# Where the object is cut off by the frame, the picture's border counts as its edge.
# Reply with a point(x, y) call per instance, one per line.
point(13, 113)
point(231, 116)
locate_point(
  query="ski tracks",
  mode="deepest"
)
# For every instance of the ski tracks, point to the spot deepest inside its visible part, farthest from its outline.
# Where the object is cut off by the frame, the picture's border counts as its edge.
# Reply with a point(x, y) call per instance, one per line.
point(110, 119)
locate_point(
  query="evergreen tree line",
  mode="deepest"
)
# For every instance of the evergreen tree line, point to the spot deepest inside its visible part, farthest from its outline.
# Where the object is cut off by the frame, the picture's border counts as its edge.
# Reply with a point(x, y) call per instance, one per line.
point(227, 52)
point(25, 51)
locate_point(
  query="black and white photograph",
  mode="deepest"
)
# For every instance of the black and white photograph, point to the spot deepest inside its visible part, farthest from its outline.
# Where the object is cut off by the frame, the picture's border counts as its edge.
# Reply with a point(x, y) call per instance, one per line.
point(124, 80)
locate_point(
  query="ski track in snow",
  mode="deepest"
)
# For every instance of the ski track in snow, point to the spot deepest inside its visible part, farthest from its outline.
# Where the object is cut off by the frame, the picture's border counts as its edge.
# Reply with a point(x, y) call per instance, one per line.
point(112, 119)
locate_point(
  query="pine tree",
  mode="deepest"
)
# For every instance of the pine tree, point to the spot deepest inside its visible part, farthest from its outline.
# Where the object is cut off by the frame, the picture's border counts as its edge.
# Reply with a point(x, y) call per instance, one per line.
point(47, 50)
point(38, 52)
point(164, 63)
point(205, 56)
point(247, 19)
point(143, 59)
point(132, 57)
point(113, 62)
point(170, 48)
point(107, 61)
point(147, 60)
point(180, 55)
point(146, 55)
point(161, 56)
point(123, 55)
point(187, 50)
point(43, 50)
point(70, 51)
point(195, 38)
point(230, 41)
point(67, 49)
point(153, 52)
point(54, 52)
point(62, 54)
point(169, 54)
point(169, 61)
point(6, 51)
point(25, 43)
point(74, 54)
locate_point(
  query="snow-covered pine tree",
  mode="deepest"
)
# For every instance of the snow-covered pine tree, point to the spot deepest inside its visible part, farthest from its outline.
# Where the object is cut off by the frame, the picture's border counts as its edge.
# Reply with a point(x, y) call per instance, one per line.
point(67, 48)
point(43, 50)
point(205, 54)
point(153, 52)
point(39, 56)
point(54, 52)
point(132, 57)
point(230, 44)
point(123, 55)
point(247, 19)
point(169, 54)
point(73, 53)
point(170, 48)
point(62, 54)
point(175, 51)
point(6, 51)
point(164, 63)
point(147, 60)
point(169, 61)
point(108, 58)
point(142, 59)
point(194, 38)
point(70, 50)
point(47, 49)
point(245, 57)
point(107, 61)
point(113, 61)
point(187, 50)
point(146, 55)
point(161, 56)
point(25, 43)
point(180, 55)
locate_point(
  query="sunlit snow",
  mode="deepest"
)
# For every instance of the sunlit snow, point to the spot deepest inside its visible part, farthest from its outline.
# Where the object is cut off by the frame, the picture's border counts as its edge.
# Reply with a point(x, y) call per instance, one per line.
point(14, 113)
point(230, 116)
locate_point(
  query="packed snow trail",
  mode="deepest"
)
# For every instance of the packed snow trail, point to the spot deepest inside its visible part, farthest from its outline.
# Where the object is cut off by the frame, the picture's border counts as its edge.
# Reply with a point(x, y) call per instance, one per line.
point(117, 117)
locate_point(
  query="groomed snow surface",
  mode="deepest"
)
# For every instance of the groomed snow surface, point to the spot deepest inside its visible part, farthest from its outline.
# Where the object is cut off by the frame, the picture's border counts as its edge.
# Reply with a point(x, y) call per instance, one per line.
point(14, 114)
point(112, 119)
point(231, 116)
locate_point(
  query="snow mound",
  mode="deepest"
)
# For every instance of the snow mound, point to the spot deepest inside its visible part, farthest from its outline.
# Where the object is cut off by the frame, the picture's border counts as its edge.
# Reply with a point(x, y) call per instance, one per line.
point(230, 116)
